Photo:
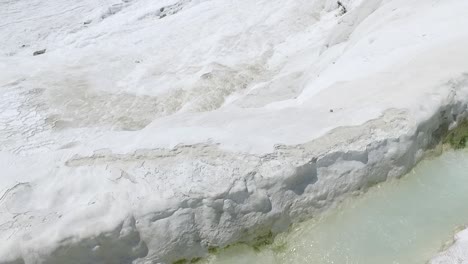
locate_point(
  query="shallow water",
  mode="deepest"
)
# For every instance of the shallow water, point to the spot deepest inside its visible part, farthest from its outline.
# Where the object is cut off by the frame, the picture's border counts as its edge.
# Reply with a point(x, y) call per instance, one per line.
point(404, 221)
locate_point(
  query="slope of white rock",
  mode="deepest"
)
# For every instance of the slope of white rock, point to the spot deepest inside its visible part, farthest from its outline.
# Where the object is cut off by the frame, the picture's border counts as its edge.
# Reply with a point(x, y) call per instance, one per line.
point(151, 131)
point(457, 253)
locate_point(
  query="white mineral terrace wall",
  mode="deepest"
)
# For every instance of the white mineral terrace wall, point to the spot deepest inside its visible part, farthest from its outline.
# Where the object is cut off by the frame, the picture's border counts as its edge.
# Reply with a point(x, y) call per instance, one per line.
point(156, 131)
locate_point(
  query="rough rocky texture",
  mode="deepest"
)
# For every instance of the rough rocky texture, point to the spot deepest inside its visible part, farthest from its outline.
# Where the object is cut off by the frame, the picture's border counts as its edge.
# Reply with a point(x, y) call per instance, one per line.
point(266, 193)
point(141, 139)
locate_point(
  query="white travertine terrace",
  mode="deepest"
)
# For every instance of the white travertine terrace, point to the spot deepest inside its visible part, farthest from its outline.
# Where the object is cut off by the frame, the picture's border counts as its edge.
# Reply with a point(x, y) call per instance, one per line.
point(152, 131)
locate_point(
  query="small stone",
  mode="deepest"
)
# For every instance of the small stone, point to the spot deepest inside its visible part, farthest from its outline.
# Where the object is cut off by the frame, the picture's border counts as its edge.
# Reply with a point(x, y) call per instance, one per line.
point(331, 110)
point(39, 52)
point(342, 7)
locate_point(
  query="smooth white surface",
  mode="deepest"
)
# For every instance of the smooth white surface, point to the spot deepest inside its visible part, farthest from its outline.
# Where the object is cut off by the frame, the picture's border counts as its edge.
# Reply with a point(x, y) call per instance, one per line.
point(86, 129)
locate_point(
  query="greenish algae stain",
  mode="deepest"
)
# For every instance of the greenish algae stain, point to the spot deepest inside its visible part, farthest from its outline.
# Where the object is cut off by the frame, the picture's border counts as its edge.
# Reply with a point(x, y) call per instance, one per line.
point(458, 136)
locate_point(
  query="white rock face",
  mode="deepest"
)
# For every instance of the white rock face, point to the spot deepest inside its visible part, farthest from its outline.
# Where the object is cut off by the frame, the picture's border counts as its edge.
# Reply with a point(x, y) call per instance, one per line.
point(152, 131)
point(457, 253)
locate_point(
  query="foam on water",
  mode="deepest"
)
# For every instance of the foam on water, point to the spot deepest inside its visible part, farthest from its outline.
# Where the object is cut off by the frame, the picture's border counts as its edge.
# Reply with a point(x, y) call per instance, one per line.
point(402, 221)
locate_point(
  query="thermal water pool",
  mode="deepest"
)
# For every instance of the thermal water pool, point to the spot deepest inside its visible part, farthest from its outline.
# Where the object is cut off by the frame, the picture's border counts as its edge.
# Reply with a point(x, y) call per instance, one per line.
point(405, 221)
